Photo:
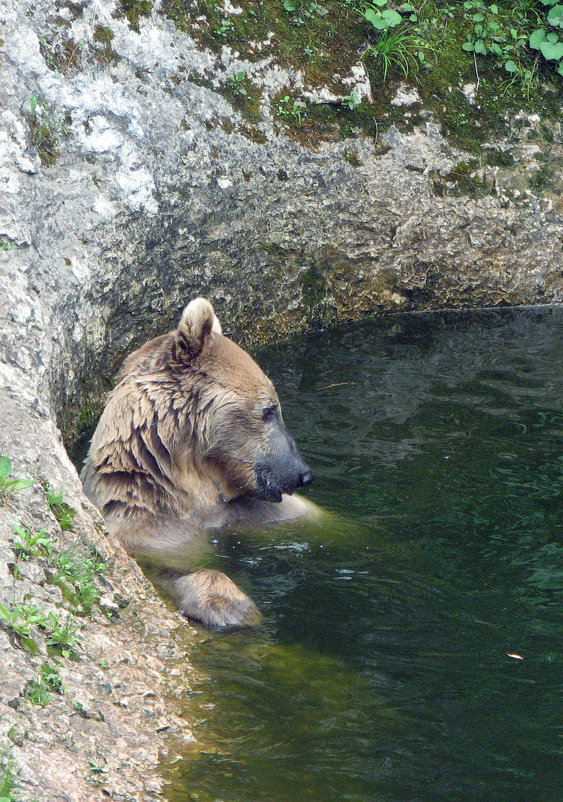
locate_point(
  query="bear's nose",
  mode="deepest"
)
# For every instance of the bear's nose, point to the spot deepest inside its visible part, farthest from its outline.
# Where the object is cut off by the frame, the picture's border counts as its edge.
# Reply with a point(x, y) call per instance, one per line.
point(306, 478)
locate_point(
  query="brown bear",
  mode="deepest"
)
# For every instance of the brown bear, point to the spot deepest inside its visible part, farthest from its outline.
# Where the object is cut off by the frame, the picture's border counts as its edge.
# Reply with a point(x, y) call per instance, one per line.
point(192, 437)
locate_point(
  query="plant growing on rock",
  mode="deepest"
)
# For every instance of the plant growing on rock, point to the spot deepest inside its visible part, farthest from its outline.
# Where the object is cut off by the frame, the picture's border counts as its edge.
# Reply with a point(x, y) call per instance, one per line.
point(49, 681)
point(62, 511)
point(8, 483)
point(379, 15)
point(350, 101)
point(397, 48)
point(290, 107)
point(504, 33)
point(29, 545)
point(20, 620)
point(7, 776)
point(63, 638)
point(75, 576)
point(48, 127)
point(226, 27)
point(548, 41)
point(236, 83)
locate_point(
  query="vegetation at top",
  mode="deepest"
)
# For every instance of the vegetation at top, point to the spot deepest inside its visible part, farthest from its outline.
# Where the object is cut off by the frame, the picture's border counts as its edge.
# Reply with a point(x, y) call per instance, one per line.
point(511, 50)
point(321, 37)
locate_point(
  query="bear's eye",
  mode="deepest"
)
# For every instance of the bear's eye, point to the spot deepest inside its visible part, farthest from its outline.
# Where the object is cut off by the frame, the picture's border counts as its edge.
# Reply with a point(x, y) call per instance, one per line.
point(269, 411)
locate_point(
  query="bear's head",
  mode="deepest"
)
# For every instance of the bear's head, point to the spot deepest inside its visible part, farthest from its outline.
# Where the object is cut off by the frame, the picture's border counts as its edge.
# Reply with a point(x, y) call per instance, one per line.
point(239, 434)
point(191, 411)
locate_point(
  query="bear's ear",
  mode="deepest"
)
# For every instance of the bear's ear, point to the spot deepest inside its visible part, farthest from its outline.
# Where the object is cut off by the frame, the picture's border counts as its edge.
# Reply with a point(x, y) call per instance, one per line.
point(197, 323)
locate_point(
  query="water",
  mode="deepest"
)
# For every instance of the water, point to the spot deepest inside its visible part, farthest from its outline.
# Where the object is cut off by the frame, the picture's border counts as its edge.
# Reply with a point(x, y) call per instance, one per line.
point(383, 671)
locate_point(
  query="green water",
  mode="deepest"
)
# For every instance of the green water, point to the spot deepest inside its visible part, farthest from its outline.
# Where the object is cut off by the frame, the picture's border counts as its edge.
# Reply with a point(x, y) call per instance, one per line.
point(382, 672)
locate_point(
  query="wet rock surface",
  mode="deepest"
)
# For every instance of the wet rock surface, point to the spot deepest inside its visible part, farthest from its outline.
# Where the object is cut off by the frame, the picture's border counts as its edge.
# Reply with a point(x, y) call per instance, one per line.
point(129, 185)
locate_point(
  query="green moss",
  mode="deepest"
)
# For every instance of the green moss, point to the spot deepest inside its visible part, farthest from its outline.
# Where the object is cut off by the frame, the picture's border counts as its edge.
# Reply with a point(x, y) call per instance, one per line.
point(103, 34)
point(103, 37)
point(244, 96)
point(253, 133)
point(320, 39)
point(274, 248)
point(325, 40)
point(135, 9)
point(63, 55)
point(333, 122)
point(48, 127)
point(62, 511)
point(461, 180)
point(314, 290)
point(542, 179)
point(352, 157)
point(499, 158)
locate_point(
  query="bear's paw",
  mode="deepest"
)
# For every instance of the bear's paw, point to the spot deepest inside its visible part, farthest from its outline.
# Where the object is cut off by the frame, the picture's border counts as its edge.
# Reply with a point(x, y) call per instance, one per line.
point(212, 598)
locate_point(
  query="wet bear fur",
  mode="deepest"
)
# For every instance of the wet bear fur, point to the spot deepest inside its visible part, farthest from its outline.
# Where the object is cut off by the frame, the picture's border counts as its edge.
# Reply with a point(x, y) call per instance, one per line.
point(191, 438)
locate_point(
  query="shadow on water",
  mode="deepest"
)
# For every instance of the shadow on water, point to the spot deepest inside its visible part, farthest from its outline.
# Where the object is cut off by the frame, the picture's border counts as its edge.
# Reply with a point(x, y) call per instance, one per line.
point(383, 670)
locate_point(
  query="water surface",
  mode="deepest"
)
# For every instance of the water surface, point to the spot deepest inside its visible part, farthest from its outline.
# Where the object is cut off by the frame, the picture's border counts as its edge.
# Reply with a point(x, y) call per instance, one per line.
point(388, 669)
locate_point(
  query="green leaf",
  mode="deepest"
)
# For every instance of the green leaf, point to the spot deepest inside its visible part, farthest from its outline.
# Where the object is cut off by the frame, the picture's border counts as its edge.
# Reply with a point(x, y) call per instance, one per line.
point(552, 52)
point(493, 9)
point(510, 66)
point(393, 17)
point(478, 17)
point(16, 485)
point(380, 24)
point(29, 644)
point(469, 46)
point(494, 48)
point(560, 68)
point(536, 38)
point(480, 47)
point(555, 16)
point(552, 37)
point(5, 468)
point(478, 29)
point(289, 5)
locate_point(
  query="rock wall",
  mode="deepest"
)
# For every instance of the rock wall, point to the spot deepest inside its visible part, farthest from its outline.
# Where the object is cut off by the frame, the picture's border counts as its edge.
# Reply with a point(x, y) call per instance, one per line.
point(130, 183)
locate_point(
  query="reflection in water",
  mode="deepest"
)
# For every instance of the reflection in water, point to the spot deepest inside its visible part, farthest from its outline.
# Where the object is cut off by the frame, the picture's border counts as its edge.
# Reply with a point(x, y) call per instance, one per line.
point(382, 671)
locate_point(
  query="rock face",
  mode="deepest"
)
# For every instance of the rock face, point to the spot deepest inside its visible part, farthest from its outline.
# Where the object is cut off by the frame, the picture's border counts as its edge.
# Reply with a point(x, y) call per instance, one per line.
point(131, 184)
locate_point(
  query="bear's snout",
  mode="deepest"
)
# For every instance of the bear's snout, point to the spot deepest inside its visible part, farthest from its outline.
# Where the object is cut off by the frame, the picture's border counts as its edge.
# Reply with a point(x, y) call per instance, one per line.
point(306, 478)
point(272, 482)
